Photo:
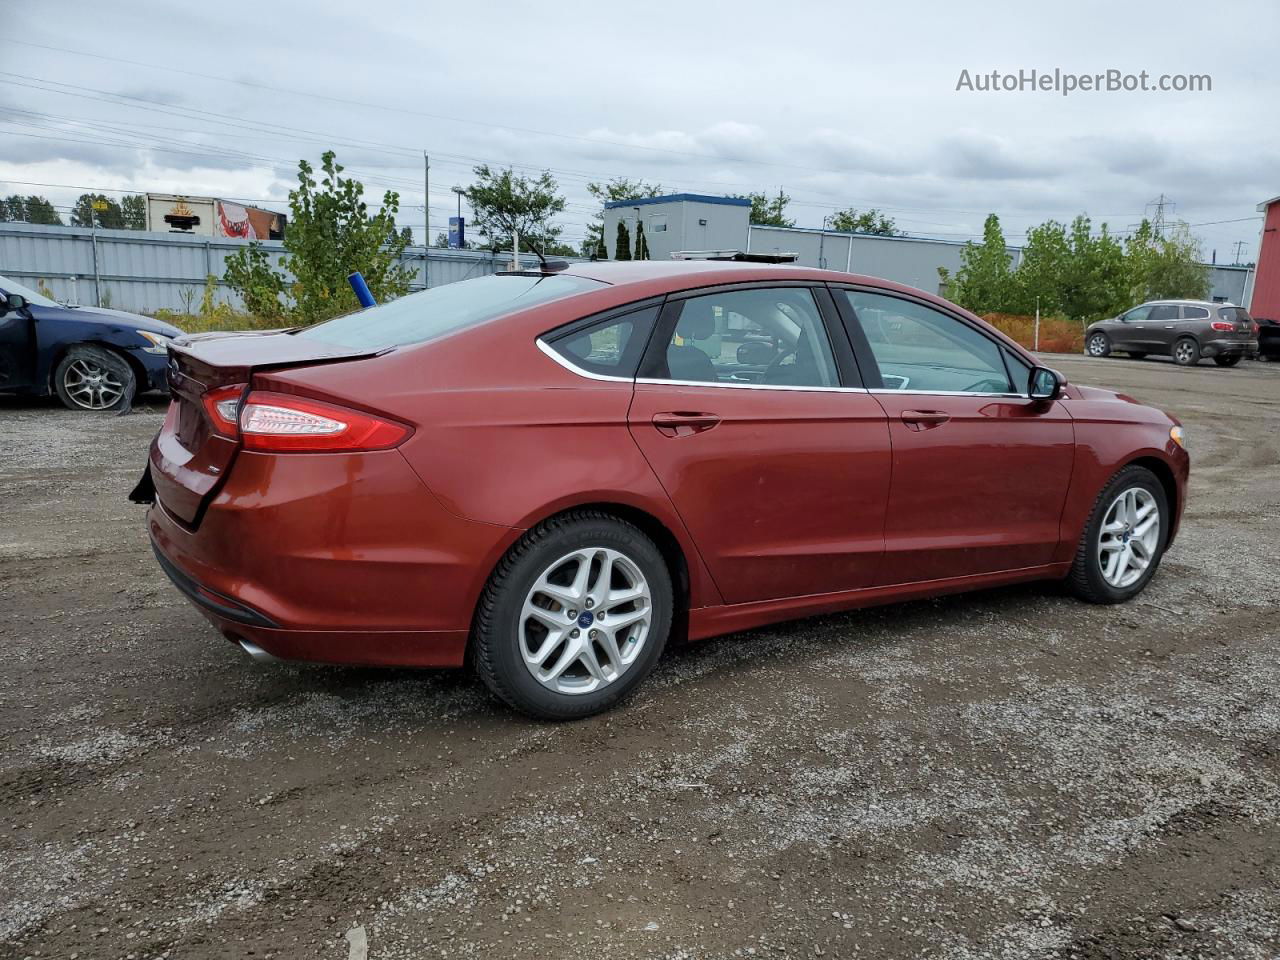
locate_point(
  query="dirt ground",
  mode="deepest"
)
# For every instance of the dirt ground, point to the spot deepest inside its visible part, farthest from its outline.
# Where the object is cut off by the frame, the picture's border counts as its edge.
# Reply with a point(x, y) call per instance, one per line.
point(1004, 774)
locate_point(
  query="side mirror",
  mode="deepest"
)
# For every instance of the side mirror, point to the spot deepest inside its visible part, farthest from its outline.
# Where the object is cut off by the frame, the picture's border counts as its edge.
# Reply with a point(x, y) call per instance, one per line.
point(1045, 384)
point(12, 302)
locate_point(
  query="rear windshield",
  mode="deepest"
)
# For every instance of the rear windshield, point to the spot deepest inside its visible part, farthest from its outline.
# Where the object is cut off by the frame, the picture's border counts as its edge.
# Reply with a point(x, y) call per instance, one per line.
point(1233, 314)
point(444, 309)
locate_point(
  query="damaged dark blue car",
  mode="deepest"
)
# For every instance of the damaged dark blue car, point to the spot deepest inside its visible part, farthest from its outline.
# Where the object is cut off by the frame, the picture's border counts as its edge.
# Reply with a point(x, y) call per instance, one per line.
point(92, 358)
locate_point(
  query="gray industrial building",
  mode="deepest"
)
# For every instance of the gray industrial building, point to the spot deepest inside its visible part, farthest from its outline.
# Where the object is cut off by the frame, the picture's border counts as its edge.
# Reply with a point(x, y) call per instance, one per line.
point(694, 222)
point(681, 221)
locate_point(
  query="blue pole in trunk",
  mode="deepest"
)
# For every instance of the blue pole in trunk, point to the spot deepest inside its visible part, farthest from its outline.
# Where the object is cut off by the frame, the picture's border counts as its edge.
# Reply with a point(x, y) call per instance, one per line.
point(362, 290)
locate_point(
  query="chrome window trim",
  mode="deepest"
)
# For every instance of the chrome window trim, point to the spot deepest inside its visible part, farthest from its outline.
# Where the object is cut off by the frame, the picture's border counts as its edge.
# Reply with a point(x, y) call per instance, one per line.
point(551, 352)
point(654, 381)
point(953, 393)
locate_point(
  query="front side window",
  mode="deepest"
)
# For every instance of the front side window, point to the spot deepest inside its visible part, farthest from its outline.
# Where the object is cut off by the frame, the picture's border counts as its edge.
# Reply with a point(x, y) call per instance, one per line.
point(1136, 315)
point(921, 349)
point(610, 347)
point(444, 309)
point(763, 337)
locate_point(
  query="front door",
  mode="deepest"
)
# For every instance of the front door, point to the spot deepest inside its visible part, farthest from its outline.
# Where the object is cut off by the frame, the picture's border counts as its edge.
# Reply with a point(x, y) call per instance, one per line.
point(1130, 332)
point(17, 350)
point(980, 471)
point(777, 461)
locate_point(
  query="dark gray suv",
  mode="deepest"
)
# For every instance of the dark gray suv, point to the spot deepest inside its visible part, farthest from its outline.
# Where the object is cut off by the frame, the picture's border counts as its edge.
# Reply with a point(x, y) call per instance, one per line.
point(1183, 329)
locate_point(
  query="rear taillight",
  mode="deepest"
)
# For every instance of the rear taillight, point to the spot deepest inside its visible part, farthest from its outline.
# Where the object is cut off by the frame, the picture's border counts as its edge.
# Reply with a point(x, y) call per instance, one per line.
point(280, 423)
point(222, 405)
point(1222, 325)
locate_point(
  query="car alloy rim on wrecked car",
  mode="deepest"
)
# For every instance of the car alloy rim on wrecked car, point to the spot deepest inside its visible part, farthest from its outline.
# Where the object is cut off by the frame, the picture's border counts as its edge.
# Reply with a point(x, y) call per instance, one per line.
point(585, 621)
point(1097, 345)
point(92, 386)
point(1130, 537)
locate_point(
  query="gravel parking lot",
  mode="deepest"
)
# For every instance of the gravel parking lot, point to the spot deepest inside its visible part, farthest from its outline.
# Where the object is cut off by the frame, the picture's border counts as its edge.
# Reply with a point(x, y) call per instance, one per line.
point(1005, 774)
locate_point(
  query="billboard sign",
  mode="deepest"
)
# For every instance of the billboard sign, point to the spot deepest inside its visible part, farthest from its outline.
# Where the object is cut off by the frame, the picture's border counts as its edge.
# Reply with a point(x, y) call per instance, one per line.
point(457, 233)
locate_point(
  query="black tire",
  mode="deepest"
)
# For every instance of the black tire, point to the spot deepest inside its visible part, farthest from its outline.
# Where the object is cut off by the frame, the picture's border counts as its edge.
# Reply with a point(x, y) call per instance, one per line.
point(1086, 579)
point(498, 632)
point(73, 379)
point(1138, 354)
point(1098, 345)
point(1186, 352)
point(1229, 360)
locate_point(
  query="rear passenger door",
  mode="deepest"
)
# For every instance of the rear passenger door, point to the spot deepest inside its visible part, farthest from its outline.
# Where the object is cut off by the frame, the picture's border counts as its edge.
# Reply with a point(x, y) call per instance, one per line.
point(752, 416)
point(980, 471)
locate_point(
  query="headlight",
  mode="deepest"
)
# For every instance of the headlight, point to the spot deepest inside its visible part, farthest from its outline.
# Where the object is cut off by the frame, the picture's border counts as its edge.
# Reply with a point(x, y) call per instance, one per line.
point(1175, 434)
point(159, 342)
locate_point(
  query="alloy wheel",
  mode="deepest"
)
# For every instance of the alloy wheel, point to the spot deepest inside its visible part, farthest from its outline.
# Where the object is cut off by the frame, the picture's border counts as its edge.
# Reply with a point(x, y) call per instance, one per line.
point(91, 385)
point(585, 621)
point(1097, 345)
point(1184, 352)
point(1130, 537)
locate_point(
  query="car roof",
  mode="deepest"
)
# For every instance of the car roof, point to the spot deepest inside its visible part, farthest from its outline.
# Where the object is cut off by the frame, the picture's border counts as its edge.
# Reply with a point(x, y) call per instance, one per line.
point(669, 276)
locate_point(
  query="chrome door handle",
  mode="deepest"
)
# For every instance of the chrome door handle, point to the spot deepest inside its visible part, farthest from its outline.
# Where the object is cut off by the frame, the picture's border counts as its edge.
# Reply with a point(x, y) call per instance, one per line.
point(681, 423)
point(924, 419)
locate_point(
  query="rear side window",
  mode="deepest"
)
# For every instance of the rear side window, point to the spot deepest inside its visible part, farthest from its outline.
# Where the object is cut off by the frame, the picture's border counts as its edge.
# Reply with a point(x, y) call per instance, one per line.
point(610, 347)
point(1163, 311)
point(444, 309)
point(1195, 313)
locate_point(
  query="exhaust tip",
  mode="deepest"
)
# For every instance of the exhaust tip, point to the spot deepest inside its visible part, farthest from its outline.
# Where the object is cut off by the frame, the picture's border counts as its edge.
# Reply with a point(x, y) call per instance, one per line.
point(255, 651)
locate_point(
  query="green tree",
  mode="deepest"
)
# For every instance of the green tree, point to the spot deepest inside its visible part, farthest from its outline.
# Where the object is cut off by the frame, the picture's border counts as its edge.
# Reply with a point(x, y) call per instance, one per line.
point(622, 246)
point(134, 209)
point(642, 245)
point(331, 234)
point(984, 281)
point(769, 212)
point(1162, 267)
point(90, 205)
point(869, 221)
point(617, 190)
point(505, 205)
point(264, 290)
point(13, 209)
point(40, 210)
point(600, 252)
point(32, 209)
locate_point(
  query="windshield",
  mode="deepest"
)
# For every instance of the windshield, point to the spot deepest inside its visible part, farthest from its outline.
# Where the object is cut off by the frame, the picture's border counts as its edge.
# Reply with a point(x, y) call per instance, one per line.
point(39, 299)
point(444, 309)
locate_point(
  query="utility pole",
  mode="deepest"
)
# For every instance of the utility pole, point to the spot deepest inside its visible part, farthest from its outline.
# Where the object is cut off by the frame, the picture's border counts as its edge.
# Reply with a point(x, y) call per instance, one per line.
point(1239, 251)
point(426, 220)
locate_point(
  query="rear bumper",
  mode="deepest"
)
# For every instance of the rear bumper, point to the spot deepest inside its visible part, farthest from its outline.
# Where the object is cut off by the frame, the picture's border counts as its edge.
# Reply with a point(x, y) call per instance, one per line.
point(335, 558)
point(1225, 348)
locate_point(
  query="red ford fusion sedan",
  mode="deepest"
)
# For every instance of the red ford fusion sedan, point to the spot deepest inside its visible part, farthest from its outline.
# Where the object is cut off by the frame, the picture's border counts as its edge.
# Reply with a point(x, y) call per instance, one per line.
point(549, 474)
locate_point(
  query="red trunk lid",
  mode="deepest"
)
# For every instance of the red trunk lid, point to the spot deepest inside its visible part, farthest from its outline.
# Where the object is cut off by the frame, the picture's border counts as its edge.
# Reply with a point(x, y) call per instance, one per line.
point(189, 457)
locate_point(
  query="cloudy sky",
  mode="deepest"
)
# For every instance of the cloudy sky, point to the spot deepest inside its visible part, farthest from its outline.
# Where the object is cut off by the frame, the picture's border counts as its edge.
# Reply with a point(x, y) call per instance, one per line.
point(839, 104)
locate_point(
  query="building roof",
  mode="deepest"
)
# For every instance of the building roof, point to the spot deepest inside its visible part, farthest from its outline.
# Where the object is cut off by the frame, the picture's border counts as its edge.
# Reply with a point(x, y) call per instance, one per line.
point(1262, 207)
point(680, 198)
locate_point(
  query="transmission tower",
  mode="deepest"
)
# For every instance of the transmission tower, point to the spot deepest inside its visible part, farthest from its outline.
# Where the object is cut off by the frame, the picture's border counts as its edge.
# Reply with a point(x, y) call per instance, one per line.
point(1158, 217)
